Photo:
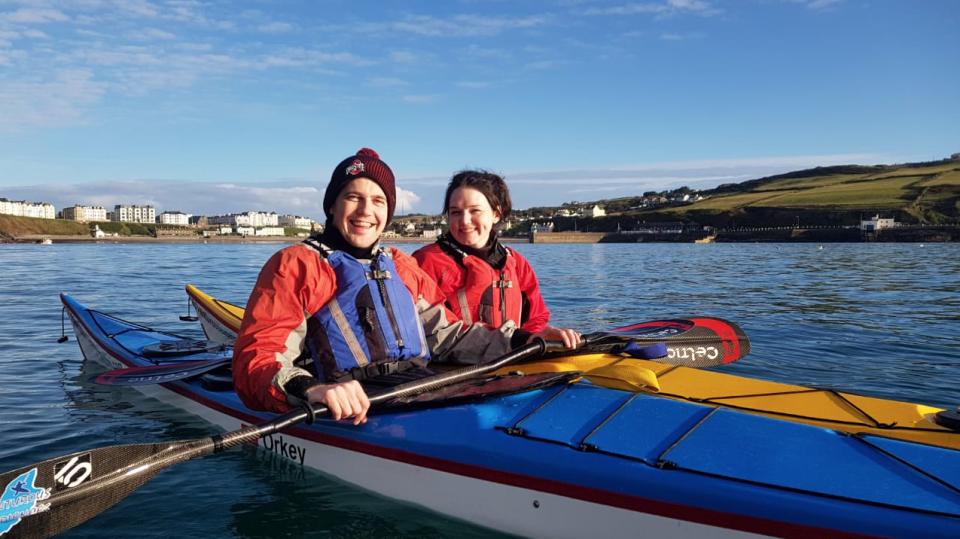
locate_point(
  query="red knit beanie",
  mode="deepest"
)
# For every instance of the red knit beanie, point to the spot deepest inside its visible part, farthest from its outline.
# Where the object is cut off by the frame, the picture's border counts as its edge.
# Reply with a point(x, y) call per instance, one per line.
point(366, 164)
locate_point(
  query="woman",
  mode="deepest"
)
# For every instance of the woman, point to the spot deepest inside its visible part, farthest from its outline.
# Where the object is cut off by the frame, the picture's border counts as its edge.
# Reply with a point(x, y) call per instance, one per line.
point(482, 279)
point(337, 308)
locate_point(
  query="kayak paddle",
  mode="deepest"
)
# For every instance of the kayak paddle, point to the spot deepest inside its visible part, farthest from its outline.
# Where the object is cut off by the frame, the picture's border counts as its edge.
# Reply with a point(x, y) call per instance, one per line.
point(695, 342)
point(43, 499)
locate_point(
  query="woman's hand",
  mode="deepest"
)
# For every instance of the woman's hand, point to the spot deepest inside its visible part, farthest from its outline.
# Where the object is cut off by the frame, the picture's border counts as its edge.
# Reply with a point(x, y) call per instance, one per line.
point(345, 400)
point(569, 337)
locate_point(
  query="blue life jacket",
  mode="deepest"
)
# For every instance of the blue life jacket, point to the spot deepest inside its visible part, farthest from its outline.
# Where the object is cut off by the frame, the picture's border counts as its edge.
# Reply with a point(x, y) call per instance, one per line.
point(370, 327)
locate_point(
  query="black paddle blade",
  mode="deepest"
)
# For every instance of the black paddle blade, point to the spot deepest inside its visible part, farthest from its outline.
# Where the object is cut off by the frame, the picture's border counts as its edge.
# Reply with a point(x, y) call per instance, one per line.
point(158, 374)
point(692, 342)
point(49, 497)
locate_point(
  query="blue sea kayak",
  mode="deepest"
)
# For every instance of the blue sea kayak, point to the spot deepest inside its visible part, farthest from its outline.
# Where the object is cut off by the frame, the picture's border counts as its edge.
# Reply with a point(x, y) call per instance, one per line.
point(578, 460)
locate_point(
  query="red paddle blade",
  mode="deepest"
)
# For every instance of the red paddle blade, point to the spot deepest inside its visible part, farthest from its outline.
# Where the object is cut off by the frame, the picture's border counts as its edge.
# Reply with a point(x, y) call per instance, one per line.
point(691, 342)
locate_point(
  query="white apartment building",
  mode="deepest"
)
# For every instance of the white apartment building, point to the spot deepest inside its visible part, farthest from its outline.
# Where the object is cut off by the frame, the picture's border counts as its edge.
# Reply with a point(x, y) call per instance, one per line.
point(22, 208)
point(252, 219)
point(175, 218)
point(85, 213)
point(258, 219)
point(127, 213)
point(295, 221)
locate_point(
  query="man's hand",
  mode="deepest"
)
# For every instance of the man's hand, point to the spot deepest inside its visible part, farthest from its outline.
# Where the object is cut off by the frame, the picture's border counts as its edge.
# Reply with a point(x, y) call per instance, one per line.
point(345, 400)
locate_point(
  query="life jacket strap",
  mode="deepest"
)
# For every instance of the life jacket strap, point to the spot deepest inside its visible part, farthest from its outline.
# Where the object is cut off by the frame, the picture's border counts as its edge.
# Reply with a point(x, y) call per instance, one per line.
point(373, 370)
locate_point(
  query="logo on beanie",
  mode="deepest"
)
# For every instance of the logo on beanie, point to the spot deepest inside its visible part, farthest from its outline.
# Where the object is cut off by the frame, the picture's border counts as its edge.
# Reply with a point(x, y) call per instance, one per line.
point(355, 168)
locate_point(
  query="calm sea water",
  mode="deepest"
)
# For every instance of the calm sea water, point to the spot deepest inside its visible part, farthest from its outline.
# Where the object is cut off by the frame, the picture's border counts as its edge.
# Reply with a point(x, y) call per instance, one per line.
point(877, 319)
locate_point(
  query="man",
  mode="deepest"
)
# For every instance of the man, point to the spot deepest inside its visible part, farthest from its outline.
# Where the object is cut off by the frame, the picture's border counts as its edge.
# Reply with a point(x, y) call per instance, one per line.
point(338, 308)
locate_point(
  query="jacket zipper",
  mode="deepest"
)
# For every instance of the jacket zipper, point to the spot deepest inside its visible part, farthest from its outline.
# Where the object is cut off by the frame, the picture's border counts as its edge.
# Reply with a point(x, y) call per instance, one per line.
point(503, 297)
point(380, 277)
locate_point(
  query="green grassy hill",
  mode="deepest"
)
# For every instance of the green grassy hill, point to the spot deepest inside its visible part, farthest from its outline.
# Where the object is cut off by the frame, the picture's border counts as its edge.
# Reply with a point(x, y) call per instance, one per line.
point(18, 227)
point(15, 227)
point(927, 193)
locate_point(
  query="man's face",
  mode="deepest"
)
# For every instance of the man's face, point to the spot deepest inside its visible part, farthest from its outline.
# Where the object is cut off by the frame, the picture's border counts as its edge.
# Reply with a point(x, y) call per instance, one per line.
point(360, 212)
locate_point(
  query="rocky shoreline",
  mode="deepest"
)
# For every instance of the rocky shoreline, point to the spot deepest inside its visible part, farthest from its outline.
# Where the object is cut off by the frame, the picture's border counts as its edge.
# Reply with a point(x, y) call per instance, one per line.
point(38, 238)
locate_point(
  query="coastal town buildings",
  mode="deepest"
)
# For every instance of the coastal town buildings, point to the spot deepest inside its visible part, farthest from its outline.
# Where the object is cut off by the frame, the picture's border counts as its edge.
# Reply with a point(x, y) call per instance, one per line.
point(22, 208)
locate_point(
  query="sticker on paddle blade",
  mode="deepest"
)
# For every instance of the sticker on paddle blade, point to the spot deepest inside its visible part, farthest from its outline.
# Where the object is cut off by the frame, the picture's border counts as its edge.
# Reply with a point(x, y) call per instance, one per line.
point(21, 498)
point(73, 472)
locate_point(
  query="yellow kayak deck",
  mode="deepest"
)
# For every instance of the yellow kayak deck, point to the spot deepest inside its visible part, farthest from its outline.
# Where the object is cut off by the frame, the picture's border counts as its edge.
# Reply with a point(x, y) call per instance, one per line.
point(826, 408)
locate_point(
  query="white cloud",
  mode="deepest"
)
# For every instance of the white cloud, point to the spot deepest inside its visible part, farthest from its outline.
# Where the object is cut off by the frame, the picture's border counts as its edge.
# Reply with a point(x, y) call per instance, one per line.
point(197, 198)
point(543, 187)
point(474, 84)
point(194, 47)
point(141, 8)
point(403, 57)
point(275, 28)
point(407, 202)
point(544, 64)
point(669, 8)
point(58, 102)
point(817, 4)
point(32, 15)
point(461, 26)
point(387, 81)
point(149, 34)
point(476, 51)
point(420, 99)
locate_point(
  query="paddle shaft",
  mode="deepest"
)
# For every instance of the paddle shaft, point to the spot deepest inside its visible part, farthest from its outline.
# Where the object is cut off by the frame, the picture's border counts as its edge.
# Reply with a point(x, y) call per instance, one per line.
point(697, 343)
point(281, 422)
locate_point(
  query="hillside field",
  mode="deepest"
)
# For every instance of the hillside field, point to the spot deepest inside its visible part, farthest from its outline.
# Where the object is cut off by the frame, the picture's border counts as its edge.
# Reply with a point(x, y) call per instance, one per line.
point(909, 193)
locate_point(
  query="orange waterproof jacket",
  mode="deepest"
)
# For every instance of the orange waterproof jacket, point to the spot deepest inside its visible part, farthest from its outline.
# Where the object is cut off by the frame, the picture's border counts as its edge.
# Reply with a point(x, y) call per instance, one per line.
point(475, 289)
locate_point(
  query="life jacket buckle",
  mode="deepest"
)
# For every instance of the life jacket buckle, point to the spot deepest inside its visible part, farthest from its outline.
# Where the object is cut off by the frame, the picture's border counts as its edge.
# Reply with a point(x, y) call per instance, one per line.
point(389, 367)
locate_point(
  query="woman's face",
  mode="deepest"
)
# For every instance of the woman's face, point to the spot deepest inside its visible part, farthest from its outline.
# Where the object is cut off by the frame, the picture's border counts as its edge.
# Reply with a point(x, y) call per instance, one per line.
point(471, 217)
point(360, 212)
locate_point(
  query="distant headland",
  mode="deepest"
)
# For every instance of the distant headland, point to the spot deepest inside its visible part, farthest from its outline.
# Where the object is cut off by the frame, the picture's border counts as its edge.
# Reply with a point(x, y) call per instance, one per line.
point(900, 202)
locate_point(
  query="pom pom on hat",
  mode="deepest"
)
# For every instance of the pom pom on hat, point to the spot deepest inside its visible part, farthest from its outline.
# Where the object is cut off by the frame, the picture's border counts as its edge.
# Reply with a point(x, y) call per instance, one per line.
point(365, 164)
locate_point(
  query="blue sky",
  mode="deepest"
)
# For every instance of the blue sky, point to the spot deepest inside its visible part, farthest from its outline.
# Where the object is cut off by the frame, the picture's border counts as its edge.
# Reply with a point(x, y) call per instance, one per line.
point(215, 106)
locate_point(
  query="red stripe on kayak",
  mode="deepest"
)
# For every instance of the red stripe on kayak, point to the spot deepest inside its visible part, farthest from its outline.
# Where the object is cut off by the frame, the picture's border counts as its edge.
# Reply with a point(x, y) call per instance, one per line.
point(687, 513)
